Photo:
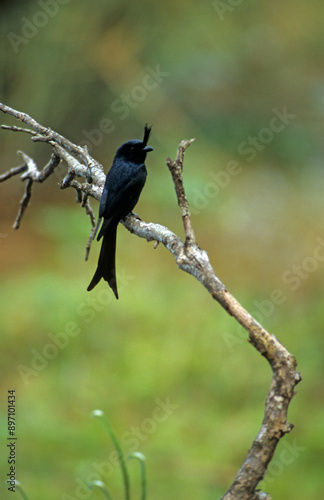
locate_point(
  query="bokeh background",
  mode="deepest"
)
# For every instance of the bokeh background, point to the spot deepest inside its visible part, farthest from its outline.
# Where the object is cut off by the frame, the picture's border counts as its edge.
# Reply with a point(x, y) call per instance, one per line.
point(175, 375)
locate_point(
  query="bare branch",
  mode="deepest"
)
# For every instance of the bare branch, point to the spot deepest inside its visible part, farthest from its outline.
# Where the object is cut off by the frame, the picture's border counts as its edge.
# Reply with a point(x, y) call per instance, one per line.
point(176, 168)
point(91, 214)
point(79, 164)
point(32, 171)
point(13, 128)
point(191, 259)
point(23, 117)
point(49, 168)
point(61, 144)
point(24, 203)
point(13, 171)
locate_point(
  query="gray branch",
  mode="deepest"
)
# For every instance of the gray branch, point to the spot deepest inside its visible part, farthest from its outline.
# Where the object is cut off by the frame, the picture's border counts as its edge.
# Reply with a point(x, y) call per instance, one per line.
point(189, 258)
point(76, 158)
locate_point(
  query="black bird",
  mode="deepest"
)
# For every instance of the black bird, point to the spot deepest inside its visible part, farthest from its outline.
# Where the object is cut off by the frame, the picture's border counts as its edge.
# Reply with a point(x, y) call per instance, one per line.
point(124, 183)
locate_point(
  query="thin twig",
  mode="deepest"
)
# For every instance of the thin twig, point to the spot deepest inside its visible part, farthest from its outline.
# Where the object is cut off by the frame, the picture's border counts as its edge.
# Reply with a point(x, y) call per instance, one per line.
point(49, 167)
point(176, 168)
point(91, 214)
point(13, 128)
point(32, 172)
point(24, 203)
point(61, 145)
point(13, 171)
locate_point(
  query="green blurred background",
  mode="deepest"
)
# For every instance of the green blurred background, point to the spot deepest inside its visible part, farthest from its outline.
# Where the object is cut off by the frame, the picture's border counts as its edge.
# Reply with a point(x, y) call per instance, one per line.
point(96, 72)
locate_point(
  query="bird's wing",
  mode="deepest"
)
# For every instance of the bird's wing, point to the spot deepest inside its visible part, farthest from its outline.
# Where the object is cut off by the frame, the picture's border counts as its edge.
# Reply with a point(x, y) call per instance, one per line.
point(120, 198)
point(103, 201)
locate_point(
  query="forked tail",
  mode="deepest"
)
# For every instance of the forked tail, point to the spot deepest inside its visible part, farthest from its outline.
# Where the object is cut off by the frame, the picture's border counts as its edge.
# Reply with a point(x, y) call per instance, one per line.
point(106, 268)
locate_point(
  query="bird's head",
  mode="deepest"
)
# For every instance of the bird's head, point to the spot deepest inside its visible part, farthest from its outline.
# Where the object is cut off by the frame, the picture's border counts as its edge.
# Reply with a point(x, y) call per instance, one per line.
point(136, 150)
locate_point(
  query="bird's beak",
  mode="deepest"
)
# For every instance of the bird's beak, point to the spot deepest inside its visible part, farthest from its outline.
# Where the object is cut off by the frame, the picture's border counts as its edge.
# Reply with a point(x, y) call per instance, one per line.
point(147, 149)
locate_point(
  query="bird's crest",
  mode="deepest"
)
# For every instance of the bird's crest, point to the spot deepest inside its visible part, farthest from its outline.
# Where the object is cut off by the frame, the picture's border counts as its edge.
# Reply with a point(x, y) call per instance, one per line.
point(147, 133)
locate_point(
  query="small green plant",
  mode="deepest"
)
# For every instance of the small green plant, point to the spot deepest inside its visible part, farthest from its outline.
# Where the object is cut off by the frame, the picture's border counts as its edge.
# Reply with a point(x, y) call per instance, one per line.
point(122, 463)
point(19, 488)
point(141, 458)
point(101, 485)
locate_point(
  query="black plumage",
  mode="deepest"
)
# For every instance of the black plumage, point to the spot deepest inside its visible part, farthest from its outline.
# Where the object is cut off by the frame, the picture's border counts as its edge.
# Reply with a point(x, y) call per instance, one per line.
point(124, 183)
